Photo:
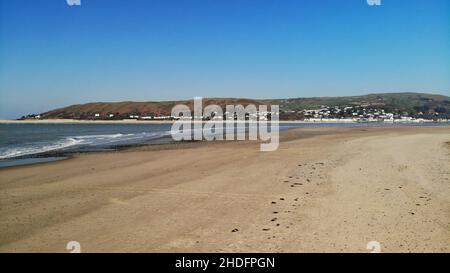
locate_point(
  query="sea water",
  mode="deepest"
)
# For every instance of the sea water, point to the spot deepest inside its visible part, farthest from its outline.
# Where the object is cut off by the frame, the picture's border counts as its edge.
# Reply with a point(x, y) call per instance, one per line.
point(46, 142)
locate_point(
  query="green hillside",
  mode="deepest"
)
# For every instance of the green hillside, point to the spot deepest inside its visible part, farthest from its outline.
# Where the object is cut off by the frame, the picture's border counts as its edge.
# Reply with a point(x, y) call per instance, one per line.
point(412, 103)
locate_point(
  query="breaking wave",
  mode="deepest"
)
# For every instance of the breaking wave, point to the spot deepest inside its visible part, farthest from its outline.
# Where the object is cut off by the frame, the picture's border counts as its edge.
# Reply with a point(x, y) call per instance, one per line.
point(78, 141)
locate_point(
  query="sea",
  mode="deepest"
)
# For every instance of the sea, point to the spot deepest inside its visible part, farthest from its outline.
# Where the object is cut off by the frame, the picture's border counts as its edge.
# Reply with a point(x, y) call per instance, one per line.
point(31, 143)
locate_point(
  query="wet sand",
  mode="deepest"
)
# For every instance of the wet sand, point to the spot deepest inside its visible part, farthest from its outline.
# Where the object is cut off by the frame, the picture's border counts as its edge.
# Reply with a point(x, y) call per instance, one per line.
point(324, 190)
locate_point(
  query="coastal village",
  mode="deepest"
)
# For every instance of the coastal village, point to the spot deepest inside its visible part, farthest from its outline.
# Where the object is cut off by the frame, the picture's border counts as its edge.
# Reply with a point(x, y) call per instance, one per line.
point(355, 113)
point(361, 113)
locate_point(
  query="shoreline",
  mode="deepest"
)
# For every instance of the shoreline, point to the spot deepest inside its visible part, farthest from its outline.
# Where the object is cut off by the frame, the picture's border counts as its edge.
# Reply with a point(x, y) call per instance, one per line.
point(133, 121)
point(65, 154)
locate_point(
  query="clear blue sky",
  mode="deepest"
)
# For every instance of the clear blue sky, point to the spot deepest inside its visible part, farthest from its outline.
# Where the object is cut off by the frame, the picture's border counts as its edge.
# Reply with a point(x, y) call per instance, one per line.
point(53, 54)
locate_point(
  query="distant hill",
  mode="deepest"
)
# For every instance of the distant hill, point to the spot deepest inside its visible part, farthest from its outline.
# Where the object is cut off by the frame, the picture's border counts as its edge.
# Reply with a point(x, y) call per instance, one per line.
point(412, 103)
point(124, 109)
point(409, 102)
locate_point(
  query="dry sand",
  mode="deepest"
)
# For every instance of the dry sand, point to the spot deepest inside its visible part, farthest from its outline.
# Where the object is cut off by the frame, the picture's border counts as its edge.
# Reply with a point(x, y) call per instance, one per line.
point(324, 190)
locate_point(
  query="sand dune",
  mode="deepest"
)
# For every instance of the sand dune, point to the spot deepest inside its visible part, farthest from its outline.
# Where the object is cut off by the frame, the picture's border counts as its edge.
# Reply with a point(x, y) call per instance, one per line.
point(325, 189)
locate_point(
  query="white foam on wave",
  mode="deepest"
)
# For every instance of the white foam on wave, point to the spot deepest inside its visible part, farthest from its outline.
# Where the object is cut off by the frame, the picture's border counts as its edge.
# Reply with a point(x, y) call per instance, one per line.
point(115, 138)
point(85, 140)
point(38, 148)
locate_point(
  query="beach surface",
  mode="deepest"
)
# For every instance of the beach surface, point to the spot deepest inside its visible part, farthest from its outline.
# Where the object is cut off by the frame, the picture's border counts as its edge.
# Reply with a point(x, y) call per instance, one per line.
point(329, 189)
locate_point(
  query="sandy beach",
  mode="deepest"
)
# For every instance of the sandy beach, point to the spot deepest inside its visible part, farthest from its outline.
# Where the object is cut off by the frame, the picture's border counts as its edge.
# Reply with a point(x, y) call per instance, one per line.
point(324, 190)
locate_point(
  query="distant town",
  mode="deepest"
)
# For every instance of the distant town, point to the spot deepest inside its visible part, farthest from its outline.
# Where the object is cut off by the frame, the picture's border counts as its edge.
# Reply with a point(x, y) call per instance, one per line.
point(358, 113)
point(385, 107)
